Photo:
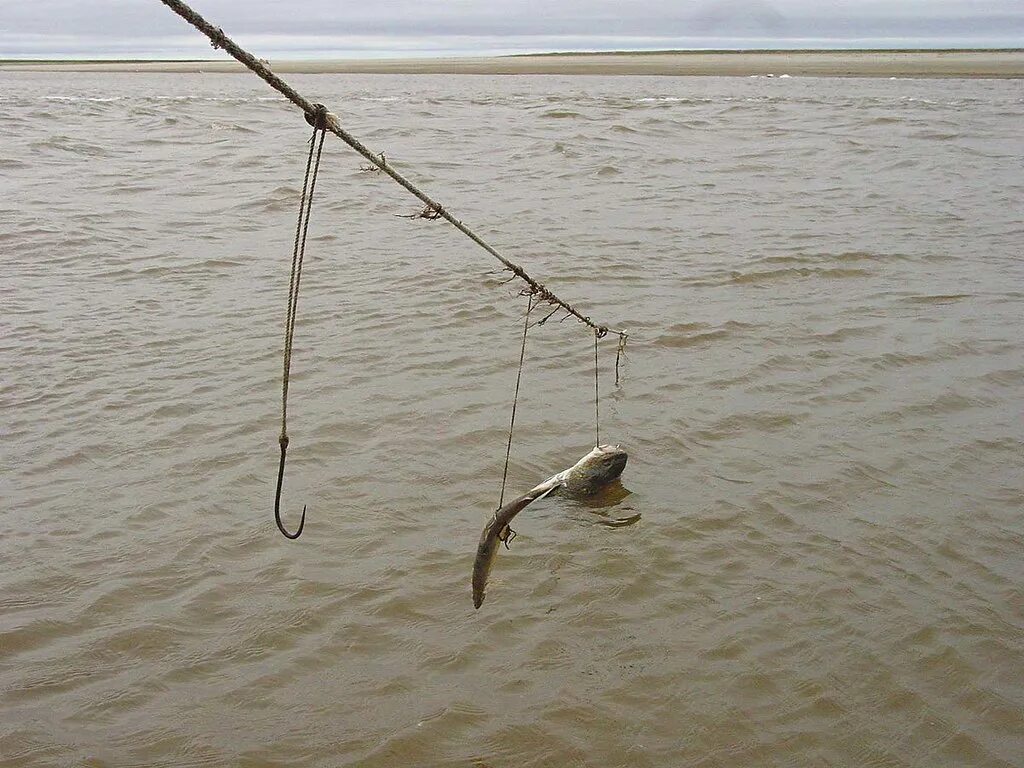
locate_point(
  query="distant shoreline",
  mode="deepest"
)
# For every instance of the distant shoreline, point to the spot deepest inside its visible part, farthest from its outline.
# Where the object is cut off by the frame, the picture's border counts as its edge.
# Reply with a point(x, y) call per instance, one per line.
point(765, 51)
point(952, 63)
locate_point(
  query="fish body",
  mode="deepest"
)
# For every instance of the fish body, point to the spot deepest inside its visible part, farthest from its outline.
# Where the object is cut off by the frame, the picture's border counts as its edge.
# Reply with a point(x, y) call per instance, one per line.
point(603, 465)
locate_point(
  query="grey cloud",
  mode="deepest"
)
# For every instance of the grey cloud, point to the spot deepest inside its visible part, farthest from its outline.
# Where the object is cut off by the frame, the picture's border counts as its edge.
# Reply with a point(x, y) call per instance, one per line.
point(321, 27)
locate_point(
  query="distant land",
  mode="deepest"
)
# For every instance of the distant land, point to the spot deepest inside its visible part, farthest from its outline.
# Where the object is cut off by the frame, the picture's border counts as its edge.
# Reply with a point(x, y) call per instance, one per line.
point(942, 63)
point(686, 51)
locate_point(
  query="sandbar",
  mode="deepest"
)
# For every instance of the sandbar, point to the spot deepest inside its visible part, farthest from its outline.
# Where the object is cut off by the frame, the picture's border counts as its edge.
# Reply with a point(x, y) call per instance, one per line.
point(916, 63)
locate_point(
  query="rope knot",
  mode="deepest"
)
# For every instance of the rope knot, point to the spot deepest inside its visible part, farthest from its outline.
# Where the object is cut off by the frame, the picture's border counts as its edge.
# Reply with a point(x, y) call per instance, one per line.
point(318, 118)
point(432, 211)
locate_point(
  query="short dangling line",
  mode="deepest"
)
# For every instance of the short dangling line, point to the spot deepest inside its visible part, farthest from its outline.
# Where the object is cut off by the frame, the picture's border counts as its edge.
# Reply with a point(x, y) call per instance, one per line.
point(298, 253)
point(619, 352)
point(515, 399)
point(597, 400)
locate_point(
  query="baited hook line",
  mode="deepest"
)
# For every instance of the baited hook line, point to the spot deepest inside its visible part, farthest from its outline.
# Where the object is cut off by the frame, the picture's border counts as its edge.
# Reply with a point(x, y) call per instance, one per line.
point(515, 401)
point(597, 397)
point(318, 121)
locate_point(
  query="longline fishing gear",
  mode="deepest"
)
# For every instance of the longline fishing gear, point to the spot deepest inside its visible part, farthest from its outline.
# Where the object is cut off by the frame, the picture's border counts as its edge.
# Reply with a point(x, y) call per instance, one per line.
point(323, 121)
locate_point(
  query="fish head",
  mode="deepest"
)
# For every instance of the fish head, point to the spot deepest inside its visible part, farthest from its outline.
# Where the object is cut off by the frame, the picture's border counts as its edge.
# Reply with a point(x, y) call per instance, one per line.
point(602, 466)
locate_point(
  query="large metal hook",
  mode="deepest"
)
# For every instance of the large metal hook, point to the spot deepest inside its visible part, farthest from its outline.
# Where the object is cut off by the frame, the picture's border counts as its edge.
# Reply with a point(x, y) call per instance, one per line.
point(277, 496)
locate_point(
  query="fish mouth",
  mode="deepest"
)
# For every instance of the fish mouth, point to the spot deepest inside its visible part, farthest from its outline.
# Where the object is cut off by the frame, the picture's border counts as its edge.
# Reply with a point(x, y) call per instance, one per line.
point(602, 466)
point(616, 465)
point(613, 460)
point(612, 467)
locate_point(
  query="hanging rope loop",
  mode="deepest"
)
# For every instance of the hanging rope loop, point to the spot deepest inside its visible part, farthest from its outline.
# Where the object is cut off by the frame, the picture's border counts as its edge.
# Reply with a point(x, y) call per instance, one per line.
point(298, 254)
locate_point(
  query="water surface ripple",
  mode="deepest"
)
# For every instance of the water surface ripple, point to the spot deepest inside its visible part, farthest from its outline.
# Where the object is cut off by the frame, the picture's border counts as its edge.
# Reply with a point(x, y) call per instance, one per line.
point(822, 400)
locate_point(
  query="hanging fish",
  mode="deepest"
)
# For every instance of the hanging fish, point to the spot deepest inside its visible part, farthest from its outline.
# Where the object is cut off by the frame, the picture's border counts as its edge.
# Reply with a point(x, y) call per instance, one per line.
point(597, 469)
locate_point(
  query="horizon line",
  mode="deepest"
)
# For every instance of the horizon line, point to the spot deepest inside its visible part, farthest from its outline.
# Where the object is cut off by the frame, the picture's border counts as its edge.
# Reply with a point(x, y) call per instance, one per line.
point(483, 55)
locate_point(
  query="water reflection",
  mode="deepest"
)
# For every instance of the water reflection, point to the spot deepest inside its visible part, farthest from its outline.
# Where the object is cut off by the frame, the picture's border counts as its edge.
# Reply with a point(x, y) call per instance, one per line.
point(599, 506)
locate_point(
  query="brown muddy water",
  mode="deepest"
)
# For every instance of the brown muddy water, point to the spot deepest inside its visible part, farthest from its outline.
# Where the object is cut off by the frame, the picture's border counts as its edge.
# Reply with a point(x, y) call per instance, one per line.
point(822, 400)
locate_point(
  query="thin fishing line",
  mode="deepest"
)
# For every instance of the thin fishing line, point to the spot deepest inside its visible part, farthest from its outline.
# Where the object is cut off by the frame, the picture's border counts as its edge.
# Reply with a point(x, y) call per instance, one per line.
point(597, 399)
point(515, 399)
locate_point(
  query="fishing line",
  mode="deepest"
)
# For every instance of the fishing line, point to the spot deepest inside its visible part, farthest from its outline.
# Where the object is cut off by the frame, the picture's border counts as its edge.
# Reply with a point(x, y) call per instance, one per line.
point(515, 399)
point(597, 398)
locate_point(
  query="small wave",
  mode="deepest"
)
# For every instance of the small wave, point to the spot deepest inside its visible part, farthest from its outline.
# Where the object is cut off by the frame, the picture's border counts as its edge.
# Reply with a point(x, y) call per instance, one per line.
point(1004, 377)
point(842, 334)
point(741, 423)
point(748, 278)
point(675, 341)
point(231, 127)
point(96, 99)
point(562, 149)
point(947, 298)
point(787, 259)
point(949, 402)
point(868, 256)
point(695, 334)
point(897, 360)
point(936, 135)
point(672, 100)
point(68, 144)
point(214, 99)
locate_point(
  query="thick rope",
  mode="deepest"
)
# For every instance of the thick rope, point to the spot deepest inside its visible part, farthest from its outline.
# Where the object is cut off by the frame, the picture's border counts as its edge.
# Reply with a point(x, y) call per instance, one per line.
point(433, 209)
point(515, 399)
point(298, 254)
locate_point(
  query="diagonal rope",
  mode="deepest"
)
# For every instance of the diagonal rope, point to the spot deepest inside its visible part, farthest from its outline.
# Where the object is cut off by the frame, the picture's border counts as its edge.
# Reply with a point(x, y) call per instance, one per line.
point(432, 210)
point(515, 399)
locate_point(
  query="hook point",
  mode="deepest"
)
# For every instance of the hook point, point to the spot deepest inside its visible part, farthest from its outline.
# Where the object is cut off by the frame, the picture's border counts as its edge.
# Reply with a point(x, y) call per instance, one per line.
point(283, 530)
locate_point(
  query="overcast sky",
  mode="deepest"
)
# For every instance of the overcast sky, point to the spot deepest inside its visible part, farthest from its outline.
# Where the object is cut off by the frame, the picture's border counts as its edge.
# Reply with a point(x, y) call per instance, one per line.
point(347, 29)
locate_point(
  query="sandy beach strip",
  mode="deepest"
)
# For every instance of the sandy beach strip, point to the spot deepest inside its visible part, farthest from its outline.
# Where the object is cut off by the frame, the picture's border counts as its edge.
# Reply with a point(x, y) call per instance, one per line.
point(947, 64)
